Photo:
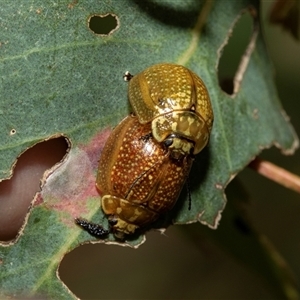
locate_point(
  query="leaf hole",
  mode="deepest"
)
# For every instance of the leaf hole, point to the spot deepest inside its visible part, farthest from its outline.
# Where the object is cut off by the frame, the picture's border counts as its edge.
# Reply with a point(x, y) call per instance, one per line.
point(236, 51)
point(82, 269)
point(17, 193)
point(103, 24)
point(13, 131)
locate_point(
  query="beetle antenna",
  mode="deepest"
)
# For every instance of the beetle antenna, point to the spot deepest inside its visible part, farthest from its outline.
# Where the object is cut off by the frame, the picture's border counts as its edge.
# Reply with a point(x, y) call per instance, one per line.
point(188, 188)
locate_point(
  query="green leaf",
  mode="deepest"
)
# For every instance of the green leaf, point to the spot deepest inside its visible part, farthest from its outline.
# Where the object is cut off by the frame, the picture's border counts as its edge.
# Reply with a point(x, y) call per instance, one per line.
point(60, 78)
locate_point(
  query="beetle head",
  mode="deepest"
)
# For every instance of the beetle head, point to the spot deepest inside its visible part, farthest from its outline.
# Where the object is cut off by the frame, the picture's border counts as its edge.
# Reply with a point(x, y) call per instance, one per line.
point(179, 146)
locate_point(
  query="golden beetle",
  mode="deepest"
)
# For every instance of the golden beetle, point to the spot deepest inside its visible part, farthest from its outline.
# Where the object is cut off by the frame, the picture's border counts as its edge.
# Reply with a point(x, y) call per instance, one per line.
point(137, 178)
point(176, 102)
point(147, 158)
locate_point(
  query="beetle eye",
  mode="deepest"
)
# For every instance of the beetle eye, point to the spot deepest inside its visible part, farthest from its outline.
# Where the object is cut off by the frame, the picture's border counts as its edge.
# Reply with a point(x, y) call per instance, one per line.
point(112, 221)
point(192, 150)
point(168, 142)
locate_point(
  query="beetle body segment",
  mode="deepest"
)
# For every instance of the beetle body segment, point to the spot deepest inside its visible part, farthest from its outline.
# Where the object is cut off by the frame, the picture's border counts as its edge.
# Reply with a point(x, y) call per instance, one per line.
point(137, 177)
point(190, 130)
point(164, 91)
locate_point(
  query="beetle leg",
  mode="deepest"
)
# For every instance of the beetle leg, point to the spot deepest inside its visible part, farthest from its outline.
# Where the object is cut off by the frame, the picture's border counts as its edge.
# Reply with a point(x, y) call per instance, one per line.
point(93, 229)
point(112, 220)
point(145, 138)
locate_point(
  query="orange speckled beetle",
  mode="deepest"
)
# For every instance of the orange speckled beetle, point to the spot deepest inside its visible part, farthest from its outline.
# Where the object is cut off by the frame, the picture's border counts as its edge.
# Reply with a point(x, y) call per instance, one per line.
point(176, 102)
point(137, 178)
point(147, 157)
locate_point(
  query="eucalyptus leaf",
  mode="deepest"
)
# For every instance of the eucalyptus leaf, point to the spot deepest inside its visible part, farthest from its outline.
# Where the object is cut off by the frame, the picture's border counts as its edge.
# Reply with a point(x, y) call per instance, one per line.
point(58, 77)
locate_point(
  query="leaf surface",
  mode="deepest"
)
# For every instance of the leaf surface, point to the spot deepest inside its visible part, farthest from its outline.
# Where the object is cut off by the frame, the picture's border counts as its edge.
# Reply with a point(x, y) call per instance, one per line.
point(60, 78)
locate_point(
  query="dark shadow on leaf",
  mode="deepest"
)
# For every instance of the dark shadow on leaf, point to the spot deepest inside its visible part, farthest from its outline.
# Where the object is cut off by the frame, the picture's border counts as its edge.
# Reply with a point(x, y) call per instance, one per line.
point(169, 14)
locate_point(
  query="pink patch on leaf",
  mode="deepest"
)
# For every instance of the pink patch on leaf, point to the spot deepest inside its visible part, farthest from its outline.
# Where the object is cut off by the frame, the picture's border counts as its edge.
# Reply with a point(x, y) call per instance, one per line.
point(68, 189)
point(95, 147)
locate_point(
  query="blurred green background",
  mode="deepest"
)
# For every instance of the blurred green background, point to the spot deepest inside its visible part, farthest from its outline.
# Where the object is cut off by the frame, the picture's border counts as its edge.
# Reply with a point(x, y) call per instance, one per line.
point(175, 265)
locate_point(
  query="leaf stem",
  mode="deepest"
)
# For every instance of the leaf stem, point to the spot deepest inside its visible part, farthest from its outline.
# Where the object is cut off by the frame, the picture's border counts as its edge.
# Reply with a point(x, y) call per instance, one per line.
point(277, 174)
